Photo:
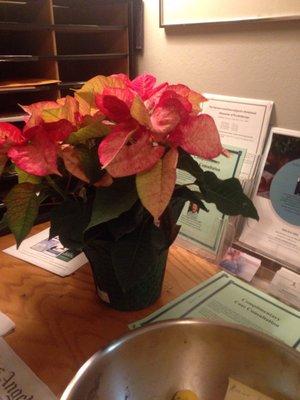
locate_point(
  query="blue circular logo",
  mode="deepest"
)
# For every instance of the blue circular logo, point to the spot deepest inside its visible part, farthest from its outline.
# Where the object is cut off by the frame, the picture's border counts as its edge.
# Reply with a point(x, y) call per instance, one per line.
point(285, 192)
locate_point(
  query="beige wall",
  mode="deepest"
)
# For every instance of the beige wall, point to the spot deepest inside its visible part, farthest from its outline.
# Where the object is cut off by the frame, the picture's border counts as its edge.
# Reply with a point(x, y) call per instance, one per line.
point(258, 60)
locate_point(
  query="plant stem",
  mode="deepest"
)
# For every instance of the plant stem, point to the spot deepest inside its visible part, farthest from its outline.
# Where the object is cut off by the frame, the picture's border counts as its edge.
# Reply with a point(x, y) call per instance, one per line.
point(55, 187)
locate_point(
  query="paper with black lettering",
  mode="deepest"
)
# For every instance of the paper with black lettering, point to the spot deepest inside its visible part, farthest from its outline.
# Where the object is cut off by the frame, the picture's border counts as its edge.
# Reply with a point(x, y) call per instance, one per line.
point(17, 381)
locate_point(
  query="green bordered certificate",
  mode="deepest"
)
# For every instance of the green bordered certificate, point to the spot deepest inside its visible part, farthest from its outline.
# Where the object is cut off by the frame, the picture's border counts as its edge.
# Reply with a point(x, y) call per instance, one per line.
point(226, 298)
point(203, 229)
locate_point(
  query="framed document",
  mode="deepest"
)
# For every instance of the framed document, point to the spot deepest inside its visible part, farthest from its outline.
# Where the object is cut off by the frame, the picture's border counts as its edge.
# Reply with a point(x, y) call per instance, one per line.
point(242, 123)
point(277, 199)
point(202, 230)
point(179, 12)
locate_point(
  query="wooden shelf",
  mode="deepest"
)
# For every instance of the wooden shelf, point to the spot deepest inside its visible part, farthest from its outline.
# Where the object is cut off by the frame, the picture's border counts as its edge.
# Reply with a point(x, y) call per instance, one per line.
point(85, 57)
point(68, 28)
point(62, 57)
point(52, 40)
point(18, 58)
point(74, 85)
point(12, 117)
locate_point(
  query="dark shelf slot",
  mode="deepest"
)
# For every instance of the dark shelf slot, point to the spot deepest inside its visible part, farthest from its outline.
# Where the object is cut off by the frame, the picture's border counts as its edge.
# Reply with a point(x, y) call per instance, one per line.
point(71, 28)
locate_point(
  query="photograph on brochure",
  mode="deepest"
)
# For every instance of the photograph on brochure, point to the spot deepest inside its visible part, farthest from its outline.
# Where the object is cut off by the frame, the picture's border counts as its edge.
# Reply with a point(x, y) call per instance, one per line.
point(241, 122)
point(240, 264)
point(48, 254)
point(277, 199)
point(200, 229)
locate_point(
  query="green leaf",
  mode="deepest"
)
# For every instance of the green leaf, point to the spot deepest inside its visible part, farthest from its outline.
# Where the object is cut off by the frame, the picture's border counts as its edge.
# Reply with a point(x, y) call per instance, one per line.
point(126, 222)
point(188, 164)
point(227, 195)
point(94, 130)
point(90, 163)
point(3, 223)
point(112, 201)
point(25, 177)
point(68, 221)
point(22, 209)
point(186, 194)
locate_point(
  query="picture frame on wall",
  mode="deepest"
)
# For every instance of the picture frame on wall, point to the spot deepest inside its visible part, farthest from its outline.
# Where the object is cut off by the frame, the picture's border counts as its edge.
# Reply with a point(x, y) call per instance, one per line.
point(178, 12)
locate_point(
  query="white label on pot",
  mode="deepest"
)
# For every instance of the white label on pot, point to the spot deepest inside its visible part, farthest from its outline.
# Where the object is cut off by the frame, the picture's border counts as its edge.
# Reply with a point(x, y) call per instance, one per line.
point(103, 295)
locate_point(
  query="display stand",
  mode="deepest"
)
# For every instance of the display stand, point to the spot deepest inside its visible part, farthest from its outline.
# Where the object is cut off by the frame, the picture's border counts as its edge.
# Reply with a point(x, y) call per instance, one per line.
point(230, 228)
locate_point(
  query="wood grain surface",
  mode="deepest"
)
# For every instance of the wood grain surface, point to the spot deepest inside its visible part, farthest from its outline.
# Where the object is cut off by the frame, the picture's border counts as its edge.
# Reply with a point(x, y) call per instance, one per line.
point(60, 322)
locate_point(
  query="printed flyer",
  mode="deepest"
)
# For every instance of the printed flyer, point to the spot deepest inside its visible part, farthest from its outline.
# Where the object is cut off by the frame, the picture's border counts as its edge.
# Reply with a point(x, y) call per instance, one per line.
point(243, 123)
point(277, 199)
point(200, 229)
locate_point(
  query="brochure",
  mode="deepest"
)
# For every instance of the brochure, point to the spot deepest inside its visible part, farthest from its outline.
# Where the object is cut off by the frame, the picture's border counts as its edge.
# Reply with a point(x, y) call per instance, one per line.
point(17, 380)
point(224, 297)
point(48, 254)
point(241, 122)
point(201, 229)
point(277, 199)
point(286, 286)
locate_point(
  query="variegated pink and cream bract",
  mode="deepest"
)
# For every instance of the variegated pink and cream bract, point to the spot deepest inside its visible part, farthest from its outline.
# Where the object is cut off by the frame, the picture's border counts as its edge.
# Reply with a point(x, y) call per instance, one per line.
point(145, 125)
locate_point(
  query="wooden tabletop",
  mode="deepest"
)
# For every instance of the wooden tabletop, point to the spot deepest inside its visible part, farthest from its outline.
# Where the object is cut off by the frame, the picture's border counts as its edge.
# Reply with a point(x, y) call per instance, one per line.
point(60, 322)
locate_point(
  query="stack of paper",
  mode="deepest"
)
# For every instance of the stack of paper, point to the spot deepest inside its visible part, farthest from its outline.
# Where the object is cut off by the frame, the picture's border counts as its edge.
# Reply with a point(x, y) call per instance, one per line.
point(226, 298)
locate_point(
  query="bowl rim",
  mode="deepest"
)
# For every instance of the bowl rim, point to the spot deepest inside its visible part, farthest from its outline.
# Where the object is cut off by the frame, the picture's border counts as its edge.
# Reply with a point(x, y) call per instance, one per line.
point(171, 322)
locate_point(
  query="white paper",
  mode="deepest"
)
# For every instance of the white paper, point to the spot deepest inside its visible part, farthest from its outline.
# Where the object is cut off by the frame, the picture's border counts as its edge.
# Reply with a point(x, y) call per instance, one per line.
point(277, 233)
point(242, 123)
point(6, 324)
point(48, 254)
point(286, 286)
point(239, 391)
point(17, 381)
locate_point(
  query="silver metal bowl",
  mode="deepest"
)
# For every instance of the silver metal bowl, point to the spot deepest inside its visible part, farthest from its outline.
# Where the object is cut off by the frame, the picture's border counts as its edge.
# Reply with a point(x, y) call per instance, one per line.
point(154, 362)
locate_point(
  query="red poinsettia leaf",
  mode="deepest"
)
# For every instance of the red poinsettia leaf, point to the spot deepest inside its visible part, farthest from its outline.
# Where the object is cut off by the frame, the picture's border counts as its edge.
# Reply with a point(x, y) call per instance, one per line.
point(193, 97)
point(165, 119)
point(9, 135)
point(35, 112)
point(198, 136)
point(37, 157)
point(72, 161)
point(136, 157)
point(155, 187)
point(140, 113)
point(86, 95)
point(171, 109)
point(114, 141)
point(115, 103)
point(59, 131)
point(68, 109)
point(143, 85)
point(121, 77)
point(155, 96)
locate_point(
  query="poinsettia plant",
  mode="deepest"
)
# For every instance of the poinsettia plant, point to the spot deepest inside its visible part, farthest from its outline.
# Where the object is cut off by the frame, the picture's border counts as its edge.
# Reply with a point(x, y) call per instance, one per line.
point(106, 159)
